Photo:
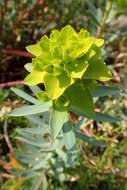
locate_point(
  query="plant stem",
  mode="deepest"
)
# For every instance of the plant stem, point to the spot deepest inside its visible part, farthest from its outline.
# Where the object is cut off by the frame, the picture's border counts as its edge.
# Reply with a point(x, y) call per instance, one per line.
point(106, 13)
point(15, 52)
point(6, 136)
point(13, 83)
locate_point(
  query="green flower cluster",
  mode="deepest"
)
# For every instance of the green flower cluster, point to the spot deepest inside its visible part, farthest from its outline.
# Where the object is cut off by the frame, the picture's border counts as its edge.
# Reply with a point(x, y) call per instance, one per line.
point(66, 63)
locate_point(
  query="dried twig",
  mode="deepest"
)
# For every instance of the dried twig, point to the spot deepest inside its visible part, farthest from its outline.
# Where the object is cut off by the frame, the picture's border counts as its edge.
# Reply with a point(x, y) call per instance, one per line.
point(7, 176)
point(119, 65)
point(5, 165)
point(28, 11)
point(6, 136)
point(116, 75)
point(101, 27)
point(3, 12)
point(121, 56)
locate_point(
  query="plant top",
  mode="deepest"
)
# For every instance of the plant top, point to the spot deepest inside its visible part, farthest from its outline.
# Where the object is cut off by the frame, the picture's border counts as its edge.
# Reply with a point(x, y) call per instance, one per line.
point(68, 64)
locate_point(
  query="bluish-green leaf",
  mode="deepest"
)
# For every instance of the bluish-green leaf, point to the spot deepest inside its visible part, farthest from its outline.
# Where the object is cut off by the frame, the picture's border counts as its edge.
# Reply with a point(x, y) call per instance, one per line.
point(25, 96)
point(41, 143)
point(24, 173)
point(89, 140)
point(42, 163)
point(43, 130)
point(97, 116)
point(35, 89)
point(58, 118)
point(28, 67)
point(69, 136)
point(35, 120)
point(104, 91)
point(79, 124)
point(105, 118)
point(30, 110)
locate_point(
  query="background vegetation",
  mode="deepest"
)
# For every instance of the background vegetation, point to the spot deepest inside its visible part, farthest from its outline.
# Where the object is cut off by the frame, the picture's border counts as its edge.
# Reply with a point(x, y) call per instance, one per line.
point(23, 22)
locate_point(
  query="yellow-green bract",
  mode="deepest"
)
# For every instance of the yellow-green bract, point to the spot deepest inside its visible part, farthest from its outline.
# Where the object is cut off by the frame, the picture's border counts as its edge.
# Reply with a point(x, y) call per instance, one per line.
point(67, 59)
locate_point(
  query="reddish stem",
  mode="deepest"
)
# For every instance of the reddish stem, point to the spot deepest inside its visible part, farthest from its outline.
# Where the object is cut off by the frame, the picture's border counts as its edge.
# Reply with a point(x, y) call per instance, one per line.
point(12, 83)
point(15, 52)
point(3, 12)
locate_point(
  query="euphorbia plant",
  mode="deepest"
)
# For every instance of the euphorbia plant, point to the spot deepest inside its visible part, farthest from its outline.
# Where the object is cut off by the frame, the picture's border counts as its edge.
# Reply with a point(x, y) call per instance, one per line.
point(68, 64)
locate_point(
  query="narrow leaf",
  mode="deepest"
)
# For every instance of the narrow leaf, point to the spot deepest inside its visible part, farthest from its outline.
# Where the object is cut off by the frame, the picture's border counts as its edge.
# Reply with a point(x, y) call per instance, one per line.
point(97, 116)
point(25, 96)
point(35, 119)
point(89, 140)
point(30, 110)
point(58, 118)
point(35, 89)
point(104, 91)
point(69, 136)
point(42, 163)
point(43, 130)
point(105, 118)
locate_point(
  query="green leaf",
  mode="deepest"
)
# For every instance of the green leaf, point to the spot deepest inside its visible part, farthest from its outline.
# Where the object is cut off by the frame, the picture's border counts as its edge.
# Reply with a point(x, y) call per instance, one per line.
point(83, 46)
point(66, 34)
point(97, 116)
point(97, 70)
point(58, 118)
point(43, 130)
point(55, 47)
point(30, 110)
point(34, 49)
point(77, 68)
point(54, 36)
point(90, 84)
point(44, 43)
point(35, 119)
point(55, 86)
point(99, 42)
point(104, 91)
point(105, 118)
point(25, 96)
point(28, 67)
point(80, 123)
point(29, 156)
point(89, 140)
point(35, 89)
point(69, 136)
point(37, 142)
point(80, 97)
point(83, 34)
point(93, 12)
point(42, 96)
point(25, 174)
point(61, 103)
point(35, 77)
point(43, 162)
point(39, 182)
